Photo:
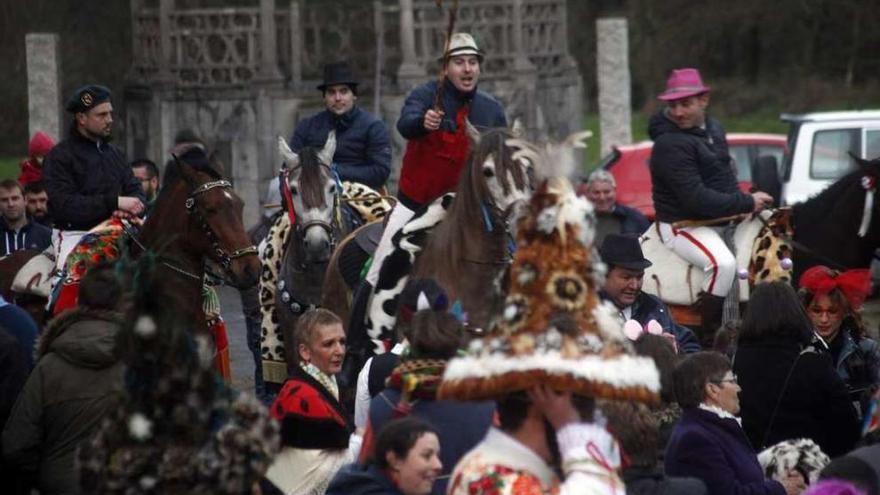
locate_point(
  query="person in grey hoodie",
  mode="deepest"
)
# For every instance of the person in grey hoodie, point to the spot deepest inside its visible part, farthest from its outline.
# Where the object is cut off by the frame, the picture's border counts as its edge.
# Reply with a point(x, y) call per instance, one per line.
point(77, 380)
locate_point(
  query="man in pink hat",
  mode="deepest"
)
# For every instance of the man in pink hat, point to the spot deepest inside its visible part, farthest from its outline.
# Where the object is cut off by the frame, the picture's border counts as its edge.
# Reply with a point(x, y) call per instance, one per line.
point(694, 179)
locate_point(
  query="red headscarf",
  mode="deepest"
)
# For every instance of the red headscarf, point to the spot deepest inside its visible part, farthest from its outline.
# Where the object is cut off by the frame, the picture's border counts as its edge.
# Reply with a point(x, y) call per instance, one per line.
point(853, 284)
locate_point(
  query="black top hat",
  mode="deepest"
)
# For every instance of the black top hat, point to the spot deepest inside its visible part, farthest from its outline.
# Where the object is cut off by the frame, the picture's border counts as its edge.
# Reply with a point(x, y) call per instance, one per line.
point(624, 251)
point(338, 73)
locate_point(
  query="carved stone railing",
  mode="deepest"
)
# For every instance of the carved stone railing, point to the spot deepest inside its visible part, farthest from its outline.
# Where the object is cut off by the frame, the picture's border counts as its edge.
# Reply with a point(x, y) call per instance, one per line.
point(222, 47)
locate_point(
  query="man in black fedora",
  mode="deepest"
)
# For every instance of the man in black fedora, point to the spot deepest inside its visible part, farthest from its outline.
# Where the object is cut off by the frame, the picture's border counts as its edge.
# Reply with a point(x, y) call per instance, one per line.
point(363, 146)
point(623, 287)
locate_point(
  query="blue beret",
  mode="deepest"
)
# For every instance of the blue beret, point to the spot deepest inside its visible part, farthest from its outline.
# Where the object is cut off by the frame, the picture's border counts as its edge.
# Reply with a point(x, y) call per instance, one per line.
point(87, 97)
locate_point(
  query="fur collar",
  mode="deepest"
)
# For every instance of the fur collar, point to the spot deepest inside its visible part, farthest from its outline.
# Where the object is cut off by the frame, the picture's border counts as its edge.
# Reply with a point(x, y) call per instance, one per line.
point(63, 321)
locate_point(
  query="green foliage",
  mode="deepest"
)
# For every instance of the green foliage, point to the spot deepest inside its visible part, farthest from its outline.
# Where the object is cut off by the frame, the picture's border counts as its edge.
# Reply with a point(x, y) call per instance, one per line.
point(9, 168)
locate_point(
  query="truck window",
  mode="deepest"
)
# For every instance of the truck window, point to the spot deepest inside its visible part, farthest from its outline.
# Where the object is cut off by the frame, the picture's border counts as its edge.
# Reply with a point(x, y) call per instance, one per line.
point(829, 154)
point(777, 152)
point(872, 144)
point(741, 162)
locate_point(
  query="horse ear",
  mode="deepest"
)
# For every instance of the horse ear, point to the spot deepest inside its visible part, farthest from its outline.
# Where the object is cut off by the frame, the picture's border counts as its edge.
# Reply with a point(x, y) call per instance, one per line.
point(472, 132)
point(577, 139)
point(287, 154)
point(867, 166)
point(326, 154)
point(518, 130)
point(187, 172)
point(216, 164)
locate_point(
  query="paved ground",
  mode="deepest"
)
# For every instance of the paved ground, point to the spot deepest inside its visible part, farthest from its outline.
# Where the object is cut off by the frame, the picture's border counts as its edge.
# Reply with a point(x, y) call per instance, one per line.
point(240, 355)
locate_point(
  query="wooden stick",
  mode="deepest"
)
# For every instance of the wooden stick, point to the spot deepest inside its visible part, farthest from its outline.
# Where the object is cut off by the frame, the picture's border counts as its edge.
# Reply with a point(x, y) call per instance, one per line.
point(438, 94)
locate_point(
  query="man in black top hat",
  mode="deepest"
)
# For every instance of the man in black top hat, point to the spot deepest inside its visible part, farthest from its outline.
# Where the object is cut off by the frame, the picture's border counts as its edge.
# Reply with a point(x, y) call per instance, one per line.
point(623, 287)
point(88, 180)
point(363, 147)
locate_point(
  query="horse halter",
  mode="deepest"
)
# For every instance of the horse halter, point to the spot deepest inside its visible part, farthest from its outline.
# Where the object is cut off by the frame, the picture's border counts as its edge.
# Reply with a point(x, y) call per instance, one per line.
point(192, 207)
point(300, 228)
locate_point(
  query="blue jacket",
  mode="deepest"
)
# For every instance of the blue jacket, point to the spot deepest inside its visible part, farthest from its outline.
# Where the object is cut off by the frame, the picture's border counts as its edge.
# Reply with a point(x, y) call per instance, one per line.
point(363, 148)
point(716, 450)
point(460, 426)
point(32, 236)
point(84, 180)
point(20, 325)
point(485, 112)
point(648, 307)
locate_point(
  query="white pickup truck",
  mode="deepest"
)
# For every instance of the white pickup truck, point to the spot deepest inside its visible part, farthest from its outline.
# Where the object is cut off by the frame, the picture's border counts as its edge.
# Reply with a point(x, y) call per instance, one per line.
point(817, 153)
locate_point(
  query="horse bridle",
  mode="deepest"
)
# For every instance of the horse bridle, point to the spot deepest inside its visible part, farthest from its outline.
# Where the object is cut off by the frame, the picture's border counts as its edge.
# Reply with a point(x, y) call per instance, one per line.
point(301, 228)
point(192, 208)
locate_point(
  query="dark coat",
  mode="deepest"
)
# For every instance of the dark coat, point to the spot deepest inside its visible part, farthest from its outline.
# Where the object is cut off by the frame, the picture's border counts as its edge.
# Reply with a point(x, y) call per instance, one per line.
point(77, 381)
point(716, 451)
point(363, 148)
point(691, 172)
point(355, 479)
point(857, 361)
point(460, 426)
point(648, 307)
point(84, 180)
point(20, 325)
point(632, 221)
point(652, 481)
point(32, 236)
point(433, 161)
point(814, 404)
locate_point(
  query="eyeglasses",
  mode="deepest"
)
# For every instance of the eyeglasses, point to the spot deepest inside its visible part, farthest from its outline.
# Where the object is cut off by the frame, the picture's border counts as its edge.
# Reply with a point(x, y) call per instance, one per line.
point(726, 380)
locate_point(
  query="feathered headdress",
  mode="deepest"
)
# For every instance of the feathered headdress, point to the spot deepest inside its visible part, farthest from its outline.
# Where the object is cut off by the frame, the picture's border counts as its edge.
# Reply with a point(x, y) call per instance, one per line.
point(553, 330)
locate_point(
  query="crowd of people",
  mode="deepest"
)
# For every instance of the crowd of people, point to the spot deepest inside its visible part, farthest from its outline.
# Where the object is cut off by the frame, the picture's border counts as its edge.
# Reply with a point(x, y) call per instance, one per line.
point(798, 369)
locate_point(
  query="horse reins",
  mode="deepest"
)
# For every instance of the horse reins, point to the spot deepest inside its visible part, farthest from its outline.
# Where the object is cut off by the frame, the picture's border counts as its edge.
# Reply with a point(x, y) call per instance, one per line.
point(224, 259)
point(301, 228)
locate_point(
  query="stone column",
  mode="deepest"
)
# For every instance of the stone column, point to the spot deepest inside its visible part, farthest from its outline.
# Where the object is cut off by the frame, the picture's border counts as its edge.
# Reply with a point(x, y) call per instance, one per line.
point(268, 46)
point(165, 7)
point(44, 88)
point(296, 44)
point(524, 71)
point(410, 72)
point(612, 69)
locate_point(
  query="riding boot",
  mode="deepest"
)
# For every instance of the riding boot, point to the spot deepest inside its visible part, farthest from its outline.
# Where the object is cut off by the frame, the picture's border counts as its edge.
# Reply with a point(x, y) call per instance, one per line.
point(711, 311)
point(357, 340)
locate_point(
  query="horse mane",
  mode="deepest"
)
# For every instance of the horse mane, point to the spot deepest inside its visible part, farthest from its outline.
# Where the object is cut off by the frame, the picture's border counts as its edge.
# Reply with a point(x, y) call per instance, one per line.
point(826, 201)
point(311, 181)
point(465, 221)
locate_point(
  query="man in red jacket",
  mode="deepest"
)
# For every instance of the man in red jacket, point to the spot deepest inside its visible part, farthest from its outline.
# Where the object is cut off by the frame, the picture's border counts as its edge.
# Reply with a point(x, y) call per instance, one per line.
point(437, 145)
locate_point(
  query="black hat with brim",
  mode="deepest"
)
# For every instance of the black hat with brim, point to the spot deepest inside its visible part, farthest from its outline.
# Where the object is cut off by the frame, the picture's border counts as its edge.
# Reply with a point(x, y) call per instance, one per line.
point(87, 98)
point(624, 251)
point(338, 73)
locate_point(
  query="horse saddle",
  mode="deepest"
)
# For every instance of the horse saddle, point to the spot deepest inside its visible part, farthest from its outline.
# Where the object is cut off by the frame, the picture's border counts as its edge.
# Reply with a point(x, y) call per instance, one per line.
point(35, 276)
point(368, 237)
point(675, 281)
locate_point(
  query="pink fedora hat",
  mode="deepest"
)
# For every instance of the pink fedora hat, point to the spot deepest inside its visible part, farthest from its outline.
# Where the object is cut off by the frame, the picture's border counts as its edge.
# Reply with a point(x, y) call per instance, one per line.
point(683, 83)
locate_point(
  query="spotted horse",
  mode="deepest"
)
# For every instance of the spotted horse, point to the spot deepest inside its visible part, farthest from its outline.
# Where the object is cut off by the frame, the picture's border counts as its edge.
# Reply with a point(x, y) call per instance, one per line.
point(763, 254)
point(294, 255)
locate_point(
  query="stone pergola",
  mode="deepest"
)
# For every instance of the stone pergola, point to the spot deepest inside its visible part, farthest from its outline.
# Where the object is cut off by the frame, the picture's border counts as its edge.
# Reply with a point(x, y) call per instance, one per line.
point(242, 75)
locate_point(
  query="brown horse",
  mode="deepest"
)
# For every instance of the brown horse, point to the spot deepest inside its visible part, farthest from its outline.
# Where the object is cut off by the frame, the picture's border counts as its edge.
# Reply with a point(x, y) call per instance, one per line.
point(469, 251)
point(197, 218)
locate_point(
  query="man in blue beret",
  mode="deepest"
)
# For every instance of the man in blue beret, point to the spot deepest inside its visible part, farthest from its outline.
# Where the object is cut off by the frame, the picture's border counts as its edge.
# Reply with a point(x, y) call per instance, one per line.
point(88, 180)
point(363, 147)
